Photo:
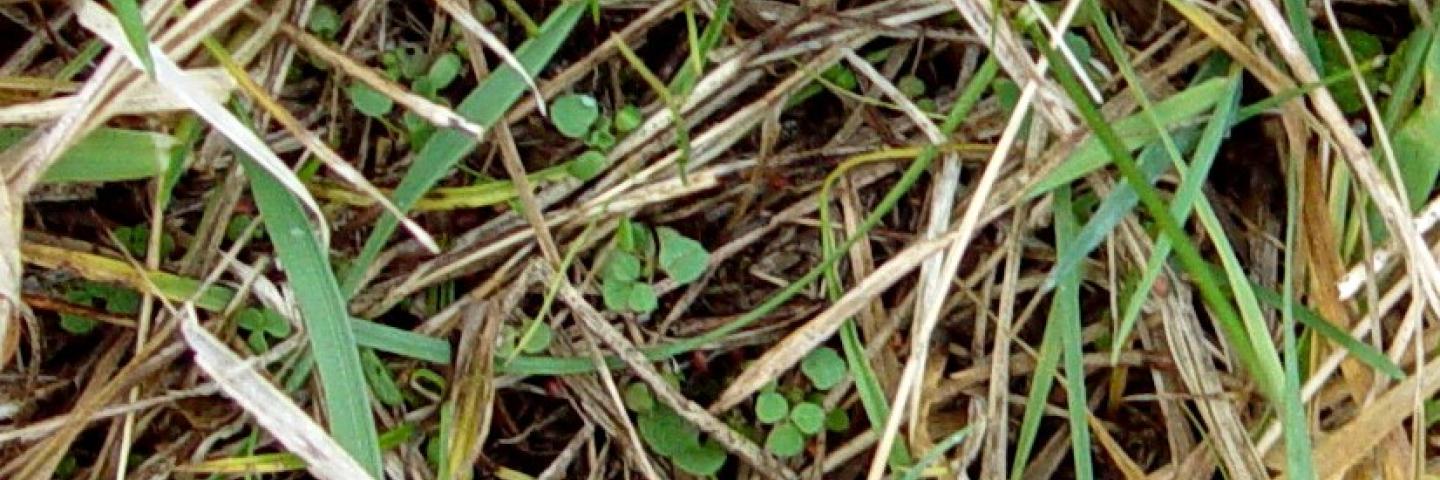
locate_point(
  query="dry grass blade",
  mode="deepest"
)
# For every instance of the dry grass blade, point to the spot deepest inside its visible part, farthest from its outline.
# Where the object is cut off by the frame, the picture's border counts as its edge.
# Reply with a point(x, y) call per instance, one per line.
point(149, 98)
point(271, 408)
point(467, 21)
point(167, 73)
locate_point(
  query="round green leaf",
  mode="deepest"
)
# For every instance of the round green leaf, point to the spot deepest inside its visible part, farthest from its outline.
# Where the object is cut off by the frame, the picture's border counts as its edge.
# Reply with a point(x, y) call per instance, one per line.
point(771, 407)
point(444, 70)
point(642, 298)
point(76, 325)
point(573, 114)
point(600, 139)
point(682, 258)
point(622, 266)
point(910, 85)
point(808, 417)
point(251, 319)
point(275, 324)
point(701, 460)
point(627, 119)
point(616, 293)
point(257, 343)
point(823, 367)
point(368, 101)
point(484, 11)
point(587, 166)
point(324, 21)
point(666, 432)
point(638, 397)
point(785, 440)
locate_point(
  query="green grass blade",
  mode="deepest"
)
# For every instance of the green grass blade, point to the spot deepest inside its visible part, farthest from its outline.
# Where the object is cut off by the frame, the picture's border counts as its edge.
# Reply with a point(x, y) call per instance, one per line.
point(1133, 132)
point(485, 105)
point(935, 452)
point(1040, 384)
point(1364, 352)
point(1298, 457)
point(105, 155)
point(1227, 318)
point(1182, 203)
point(1405, 84)
point(393, 340)
point(332, 341)
point(1065, 306)
point(128, 12)
point(685, 79)
point(1114, 207)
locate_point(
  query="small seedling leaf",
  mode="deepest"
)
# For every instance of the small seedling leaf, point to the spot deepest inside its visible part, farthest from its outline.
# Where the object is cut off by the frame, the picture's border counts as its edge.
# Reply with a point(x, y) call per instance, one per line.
point(912, 86)
point(682, 258)
point(702, 460)
point(250, 319)
point(771, 407)
point(628, 118)
point(76, 325)
point(824, 368)
point(808, 417)
point(368, 101)
point(444, 71)
point(622, 266)
point(616, 294)
point(573, 114)
point(275, 324)
point(638, 397)
point(324, 21)
point(785, 440)
point(587, 166)
point(642, 298)
point(666, 432)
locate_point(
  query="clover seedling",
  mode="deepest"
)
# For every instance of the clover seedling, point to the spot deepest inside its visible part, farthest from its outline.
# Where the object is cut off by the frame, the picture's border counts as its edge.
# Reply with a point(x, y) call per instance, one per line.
point(682, 258)
point(675, 438)
point(771, 407)
point(912, 86)
point(136, 239)
point(115, 299)
point(324, 21)
point(785, 440)
point(638, 397)
point(666, 432)
point(587, 166)
point(444, 71)
point(627, 119)
point(572, 114)
point(808, 417)
point(262, 325)
point(624, 285)
point(368, 101)
point(824, 368)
